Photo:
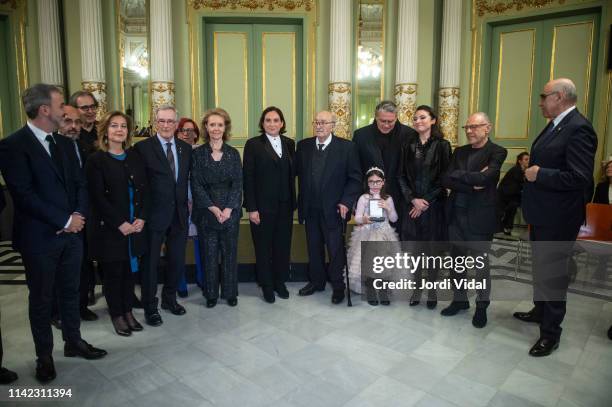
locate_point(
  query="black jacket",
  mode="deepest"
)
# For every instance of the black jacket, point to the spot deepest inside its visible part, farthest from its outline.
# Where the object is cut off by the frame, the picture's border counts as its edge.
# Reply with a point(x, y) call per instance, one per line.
point(341, 181)
point(261, 174)
point(436, 162)
point(566, 159)
point(464, 173)
point(108, 182)
point(511, 185)
point(168, 196)
point(601, 193)
point(44, 196)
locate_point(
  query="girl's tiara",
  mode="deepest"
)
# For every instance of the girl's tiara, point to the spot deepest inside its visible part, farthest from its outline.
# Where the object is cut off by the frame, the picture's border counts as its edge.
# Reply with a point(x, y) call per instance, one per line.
point(375, 169)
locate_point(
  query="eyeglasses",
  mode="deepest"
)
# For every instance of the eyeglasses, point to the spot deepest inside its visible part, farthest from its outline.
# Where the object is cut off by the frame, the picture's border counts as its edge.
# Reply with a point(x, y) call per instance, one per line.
point(473, 126)
point(376, 182)
point(116, 126)
point(88, 107)
point(545, 95)
point(168, 122)
point(318, 123)
point(386, 122)
point(70, 122)
point(183, 130)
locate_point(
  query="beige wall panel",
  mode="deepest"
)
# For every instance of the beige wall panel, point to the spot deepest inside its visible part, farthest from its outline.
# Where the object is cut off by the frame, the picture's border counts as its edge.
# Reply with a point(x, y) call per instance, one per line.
point(512, 153)
point(231, 79)
point(279, 75)
point(514, 84)
point(572, 55)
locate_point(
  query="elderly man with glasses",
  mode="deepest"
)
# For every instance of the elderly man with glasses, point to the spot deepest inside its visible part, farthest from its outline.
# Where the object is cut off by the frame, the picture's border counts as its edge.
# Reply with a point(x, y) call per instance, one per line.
point(329, 178)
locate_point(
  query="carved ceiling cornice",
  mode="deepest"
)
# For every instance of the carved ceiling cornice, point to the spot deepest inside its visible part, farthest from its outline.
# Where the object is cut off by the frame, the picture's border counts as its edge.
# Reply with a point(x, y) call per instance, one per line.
point(499, 7)
point(289, 5)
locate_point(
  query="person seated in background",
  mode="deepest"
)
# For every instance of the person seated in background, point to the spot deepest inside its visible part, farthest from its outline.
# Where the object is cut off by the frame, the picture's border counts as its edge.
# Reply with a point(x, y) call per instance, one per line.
point(509, 192)
point(603, 190)
point(188, 131)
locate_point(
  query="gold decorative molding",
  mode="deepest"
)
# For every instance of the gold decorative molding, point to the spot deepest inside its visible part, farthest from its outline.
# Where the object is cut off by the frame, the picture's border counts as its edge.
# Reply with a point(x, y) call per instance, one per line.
point(448, 102)
point(499, 7)
point(405, 99)
point(162, 93)
point(340, 105)
point(98, 89)
point(288, 5)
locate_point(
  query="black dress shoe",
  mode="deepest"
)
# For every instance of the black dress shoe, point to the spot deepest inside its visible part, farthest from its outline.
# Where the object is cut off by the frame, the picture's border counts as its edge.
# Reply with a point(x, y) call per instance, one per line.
point(121, 326)
point(83, 349)
point(543, 347)
point(610, 333)
point(182, 294)
point(7, 376)
point(309, 289)
point(153, 319)
point(373, 302)
point(56, 322)
point(281, 291)
point(268, 295)
point(527, 316)
point(431, 304)
point(45, 370)
point(132, 323)
point(175, 308)
point(415, 299)
point(88, 315)
point(337, 296)
point(432, 299)
point(232, 302)
point(479, 320)
point(414, 303)
point(454, 308)
point(211, 303)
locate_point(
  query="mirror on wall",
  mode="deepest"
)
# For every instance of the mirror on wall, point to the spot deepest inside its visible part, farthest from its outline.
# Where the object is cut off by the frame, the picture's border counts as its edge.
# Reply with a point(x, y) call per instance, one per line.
point(369, 59)
point(134, 59)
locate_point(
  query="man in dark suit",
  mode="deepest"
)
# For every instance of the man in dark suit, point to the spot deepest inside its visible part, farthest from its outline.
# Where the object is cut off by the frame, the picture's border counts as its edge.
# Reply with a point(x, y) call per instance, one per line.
point(269, 198)
point(6, 376)
point(329, 178)
point(472, 177)
point(509, 192)
point(70, 128)
point(554, 204)
point(87, 107)
point(167, 160)
point(380, 145)
point(50, 201)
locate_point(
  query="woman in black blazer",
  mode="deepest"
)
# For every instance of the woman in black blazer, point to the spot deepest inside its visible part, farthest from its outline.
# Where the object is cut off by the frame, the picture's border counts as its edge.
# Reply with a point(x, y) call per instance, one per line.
point(603, 191)
point(269, 198)
point(118, 191)
point(216, 188)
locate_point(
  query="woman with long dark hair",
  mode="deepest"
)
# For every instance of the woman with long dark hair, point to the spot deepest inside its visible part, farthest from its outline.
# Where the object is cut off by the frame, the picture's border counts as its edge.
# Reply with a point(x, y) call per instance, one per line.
point(424, 160)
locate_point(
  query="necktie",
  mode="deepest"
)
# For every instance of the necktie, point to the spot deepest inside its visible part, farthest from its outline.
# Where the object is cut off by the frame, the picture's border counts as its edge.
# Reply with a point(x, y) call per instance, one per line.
point(78, 154)
point(55, 154)
point(170, 156)
point(546, 132)
point(321, 147)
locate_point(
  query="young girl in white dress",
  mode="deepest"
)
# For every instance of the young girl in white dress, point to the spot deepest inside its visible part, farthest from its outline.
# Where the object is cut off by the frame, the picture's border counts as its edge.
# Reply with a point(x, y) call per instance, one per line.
point(371, 230)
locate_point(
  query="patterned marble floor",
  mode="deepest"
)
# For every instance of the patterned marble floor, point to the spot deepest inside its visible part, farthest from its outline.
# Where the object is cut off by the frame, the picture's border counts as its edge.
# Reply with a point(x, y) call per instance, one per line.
point(308, 352)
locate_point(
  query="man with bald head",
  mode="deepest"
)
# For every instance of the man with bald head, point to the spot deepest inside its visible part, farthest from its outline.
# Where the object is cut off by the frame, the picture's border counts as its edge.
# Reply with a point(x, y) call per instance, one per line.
point(329, 178)
point(472, 178)
point(554, 202)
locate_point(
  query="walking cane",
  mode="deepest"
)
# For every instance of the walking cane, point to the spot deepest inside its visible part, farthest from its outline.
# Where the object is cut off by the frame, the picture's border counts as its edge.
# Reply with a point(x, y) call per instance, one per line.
point(348, 287)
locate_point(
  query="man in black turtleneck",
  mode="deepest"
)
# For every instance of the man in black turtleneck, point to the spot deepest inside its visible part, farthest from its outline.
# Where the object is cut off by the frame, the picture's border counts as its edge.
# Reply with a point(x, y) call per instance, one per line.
point(380, 145)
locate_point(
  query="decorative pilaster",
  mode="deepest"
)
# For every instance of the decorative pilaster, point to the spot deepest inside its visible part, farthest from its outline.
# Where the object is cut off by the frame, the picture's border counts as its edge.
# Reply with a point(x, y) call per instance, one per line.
point(450, 69)
point(162, 59)
point(407, 57)
point(50, 44)
point(339, 88)
point(92, 51)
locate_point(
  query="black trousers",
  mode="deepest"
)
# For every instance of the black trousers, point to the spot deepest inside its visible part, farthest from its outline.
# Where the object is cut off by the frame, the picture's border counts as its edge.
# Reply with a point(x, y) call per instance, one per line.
point(459, 231)
point(118, 287)
point(272, 241)
point(551, 250)
point(59, 267)
point(176, 241)
point(320, 235)
point(215, 244)
point(506, 209)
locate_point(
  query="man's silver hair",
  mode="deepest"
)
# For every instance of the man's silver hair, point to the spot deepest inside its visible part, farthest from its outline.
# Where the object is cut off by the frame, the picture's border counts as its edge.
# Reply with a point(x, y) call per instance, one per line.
point(166, 107)
point(566, 88)
point(483, 116)
point(386, 106)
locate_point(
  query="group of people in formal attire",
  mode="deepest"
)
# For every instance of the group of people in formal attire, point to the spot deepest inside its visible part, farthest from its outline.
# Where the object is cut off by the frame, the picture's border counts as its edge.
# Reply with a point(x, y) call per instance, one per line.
point(129, 203)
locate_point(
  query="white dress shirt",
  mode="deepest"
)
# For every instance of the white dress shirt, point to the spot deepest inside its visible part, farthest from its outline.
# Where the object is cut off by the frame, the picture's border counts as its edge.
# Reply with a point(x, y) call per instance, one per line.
point(325, 143)
point(276, 144)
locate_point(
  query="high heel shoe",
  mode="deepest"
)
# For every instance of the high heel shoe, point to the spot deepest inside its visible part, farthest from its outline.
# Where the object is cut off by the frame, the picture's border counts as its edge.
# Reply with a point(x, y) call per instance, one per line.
point(211, 303)
point(132, 323)
point(415, 299)
point(121, 327)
